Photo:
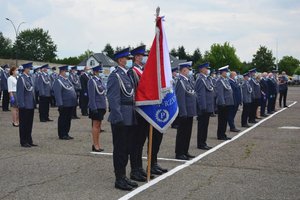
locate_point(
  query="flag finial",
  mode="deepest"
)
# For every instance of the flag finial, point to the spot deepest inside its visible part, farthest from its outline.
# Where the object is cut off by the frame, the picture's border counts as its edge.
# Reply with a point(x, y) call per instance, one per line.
point(157, 11)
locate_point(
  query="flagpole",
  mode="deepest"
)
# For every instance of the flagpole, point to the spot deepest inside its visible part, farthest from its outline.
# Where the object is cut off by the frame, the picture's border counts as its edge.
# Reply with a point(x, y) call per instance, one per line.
point(149, 152)
point(151, 127)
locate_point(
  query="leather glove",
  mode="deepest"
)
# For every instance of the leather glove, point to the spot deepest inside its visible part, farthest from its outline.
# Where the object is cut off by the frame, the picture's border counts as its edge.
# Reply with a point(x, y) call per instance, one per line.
point(12, 99)
point(85, 94)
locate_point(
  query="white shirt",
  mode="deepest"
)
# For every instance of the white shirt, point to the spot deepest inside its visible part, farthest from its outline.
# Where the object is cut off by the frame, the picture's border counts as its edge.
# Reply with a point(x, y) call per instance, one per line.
point(12, 84)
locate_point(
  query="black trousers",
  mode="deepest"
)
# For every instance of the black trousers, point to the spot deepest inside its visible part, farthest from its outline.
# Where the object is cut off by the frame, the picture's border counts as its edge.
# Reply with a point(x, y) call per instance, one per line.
point(141, 132)
point(245, 113)
point(203, 122)
point(64, 121)
point(183, 137)
point(5, 100)
point(282, 96)
point(25, 126)
point(52, 101)
point(122, 141)
point(156, 142)
point(263, 104)
point(253, 109)
point(274, 102)
point(44, 107)
point(74, 112)
point(84, 100)
point(37, 99)
point(231, 115)
point(271, 104)
point(222, 121)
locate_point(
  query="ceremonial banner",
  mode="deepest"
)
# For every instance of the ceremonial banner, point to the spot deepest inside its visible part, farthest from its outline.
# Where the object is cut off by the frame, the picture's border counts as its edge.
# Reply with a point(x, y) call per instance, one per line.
point(155, 98)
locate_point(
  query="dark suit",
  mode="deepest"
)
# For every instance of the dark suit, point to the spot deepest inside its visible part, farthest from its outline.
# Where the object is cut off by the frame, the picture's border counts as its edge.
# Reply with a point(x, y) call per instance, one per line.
point(44, 87)
point(26, 104)
point(237, 97)
point(272, 86)
point(4, 88)
point(84, 98)
point(264, 95)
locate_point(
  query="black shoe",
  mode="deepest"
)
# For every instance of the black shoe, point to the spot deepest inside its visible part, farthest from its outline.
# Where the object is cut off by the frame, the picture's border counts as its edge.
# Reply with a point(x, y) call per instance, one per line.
point(213, 115)
point(101, 131)
point(70, 138)
point(144, 173)
point(85, 114)
point(285, 106)
point(96, 150)
point(64, 138)
point(156, 171)
point(235, 130)
point(252, 122)
point(182, 157)
point(246, 126)
point(49, 120)
point(43, 120)
point(6, 110)
point(204, 147)
point(224, 138)
point(26, 145)
point(131, 183)
point(257, 118)
point(137, 176)
point(189, 155)
point(123, 185)
point(164, 170)
point(33, 145)
point(264, 115)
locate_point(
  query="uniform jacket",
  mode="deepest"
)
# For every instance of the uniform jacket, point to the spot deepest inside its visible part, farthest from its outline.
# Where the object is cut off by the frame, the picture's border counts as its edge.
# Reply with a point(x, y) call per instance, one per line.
point(256, 94)
point(236, 89)
point(84, 78)
point(64, 92)
point(246, 92)
point(205, 95)
point(120, 95)
point(25, 92)
point(272, 87)
point(75, 80)
point(264, 86)
point(186, 97)
point(44, 85)
point(96, 92)
point(4, 76)
point(224, 92)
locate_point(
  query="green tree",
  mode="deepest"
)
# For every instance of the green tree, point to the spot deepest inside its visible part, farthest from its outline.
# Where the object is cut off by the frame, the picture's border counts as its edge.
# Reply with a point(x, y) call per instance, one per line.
point(263, 60)
point(173, 52)
point(288, 64)
point(221, 55)
point(197, 56)
point(109, 50)
point(68, 61)
point(181, 53)
point(297, 71)
point(5, 47)
point(85, 55)
point(35, 44)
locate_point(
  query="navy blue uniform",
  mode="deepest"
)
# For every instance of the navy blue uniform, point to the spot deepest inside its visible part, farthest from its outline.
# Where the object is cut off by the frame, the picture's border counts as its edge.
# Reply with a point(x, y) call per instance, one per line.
point(283, 89)
point(272, 85)
point(84, 98)
point(237, 98)
point(256, 95)
point(264, 96)
point(26, 104)
point(65, 97)
point(75, 80)
point(4, 88)
point(205, 107)
point(247, 99)
point(97, 100)
point(44, 88)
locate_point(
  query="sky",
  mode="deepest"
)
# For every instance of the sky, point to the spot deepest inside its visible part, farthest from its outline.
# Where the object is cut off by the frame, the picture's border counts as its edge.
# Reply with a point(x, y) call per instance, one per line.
point(78, 25)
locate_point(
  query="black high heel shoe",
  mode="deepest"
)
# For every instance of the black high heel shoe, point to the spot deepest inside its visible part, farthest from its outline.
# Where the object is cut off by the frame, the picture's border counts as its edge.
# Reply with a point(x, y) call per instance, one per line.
point(96, 150)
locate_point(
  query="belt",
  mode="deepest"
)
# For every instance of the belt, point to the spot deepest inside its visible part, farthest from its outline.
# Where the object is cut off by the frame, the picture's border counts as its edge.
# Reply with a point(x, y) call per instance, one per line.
point(128, 103)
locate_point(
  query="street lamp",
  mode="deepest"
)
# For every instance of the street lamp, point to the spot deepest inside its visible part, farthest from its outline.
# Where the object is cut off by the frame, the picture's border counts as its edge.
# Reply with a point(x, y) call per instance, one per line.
point(17, 33)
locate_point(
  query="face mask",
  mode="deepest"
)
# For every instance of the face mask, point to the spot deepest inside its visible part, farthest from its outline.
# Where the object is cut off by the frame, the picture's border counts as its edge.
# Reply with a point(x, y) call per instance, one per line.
point(67, 74)
point(6, 70)
point(31, 71)
point(177, 74)
point(17, 73)
point(128, 64)
point(208, 72)
point(190, 73)
point(227, 74)
point(235, 78)
point(144, 60)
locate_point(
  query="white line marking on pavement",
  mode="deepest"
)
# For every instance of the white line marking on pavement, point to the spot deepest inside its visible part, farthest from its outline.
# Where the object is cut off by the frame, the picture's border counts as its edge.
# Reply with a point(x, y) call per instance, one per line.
point(164, 159)
point(289, 127)
point(190, 162)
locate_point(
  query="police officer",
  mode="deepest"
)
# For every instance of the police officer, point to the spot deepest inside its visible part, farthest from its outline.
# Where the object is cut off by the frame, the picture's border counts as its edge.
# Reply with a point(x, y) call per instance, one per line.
point(224, 101)
point(272, 86)
point(74, 78)
point(120, 95)
point(26, 104)
point(256, 95)
point(186, 99)
point(283, 89)
point(142, 128)
point(65, 97)
point(97, 105)
point(35, 77)
point(44, 88)
point(247, 99)
point(53, 77)
point(4, 88)
point(205, 104)
point(237, 97)
point(84, 98)
point(264, 94)
point(175, 75)
point(213, 80)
